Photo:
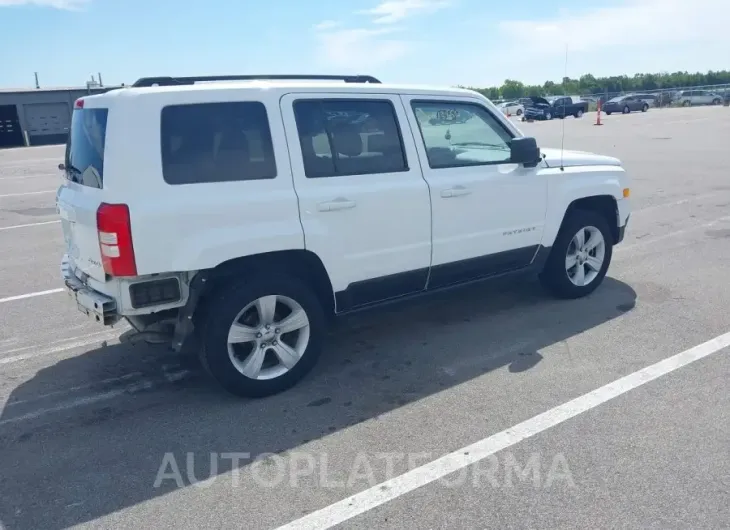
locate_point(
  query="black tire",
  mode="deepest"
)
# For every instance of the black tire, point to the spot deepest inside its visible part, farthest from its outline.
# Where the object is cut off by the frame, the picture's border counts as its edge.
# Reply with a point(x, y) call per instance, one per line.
point(645, 108)
point(716, 101)
point(579, 114)
point(627, 110)
point(608, 113)
point(519, 112)
point(686, 103)
point(548, 116)
point(222, 309)
point(554, 277)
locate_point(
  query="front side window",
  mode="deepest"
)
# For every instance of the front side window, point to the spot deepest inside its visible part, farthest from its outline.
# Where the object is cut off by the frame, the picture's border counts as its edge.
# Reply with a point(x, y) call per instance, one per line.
point(349, 137)
point(461, 134)
point(216, 142)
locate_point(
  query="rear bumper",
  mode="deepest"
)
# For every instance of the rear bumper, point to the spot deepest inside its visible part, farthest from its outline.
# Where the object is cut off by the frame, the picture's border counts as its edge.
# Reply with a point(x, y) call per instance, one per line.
point(95, 305)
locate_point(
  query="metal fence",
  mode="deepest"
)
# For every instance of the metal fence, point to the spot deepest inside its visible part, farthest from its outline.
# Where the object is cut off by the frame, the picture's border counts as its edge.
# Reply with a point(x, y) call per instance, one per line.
point(672, 97)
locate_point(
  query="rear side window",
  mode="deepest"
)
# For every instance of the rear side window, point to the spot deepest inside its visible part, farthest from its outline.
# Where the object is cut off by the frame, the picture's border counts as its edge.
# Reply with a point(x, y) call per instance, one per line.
point(85, 147)
point(349, 137)
point(216, 142)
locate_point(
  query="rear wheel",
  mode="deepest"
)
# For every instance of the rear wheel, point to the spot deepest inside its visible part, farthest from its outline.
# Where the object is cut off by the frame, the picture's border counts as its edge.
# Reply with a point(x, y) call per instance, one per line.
point(627, 109)
point(580, 256)
point(645, 108)
point(608, 113)
point(579, 114)
point(716, 101)
point(548, 116)
point(519, 112)
point(262, 335)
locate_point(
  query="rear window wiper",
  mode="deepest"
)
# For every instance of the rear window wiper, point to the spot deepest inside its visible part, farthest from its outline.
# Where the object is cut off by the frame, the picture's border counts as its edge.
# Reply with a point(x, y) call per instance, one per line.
point(73, 172)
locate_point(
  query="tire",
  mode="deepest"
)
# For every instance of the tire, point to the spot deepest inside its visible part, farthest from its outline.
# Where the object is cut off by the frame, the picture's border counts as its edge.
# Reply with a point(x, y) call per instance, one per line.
point(548, 116)
point(579, 114)
point(519, 112)
point(645, 108)
point(608, 113)
point(556, 276)
point(627, 110)
point(686, 103)
point(716, 101)
point(225, 307)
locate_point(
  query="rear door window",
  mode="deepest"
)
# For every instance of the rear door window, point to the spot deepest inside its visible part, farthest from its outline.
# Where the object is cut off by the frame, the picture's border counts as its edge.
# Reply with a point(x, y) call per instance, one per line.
point(216, 142)
point(85, 147)
point(342, 137)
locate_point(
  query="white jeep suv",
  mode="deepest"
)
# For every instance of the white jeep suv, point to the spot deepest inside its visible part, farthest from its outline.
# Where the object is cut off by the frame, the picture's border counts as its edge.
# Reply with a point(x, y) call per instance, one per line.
point(250, 209)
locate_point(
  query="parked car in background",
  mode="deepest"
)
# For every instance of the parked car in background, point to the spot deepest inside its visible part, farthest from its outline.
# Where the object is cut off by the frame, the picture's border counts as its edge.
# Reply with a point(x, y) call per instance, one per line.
point(651, 99)
point(555, 107)
point(625, 104)
point(699, 97)
point(512, 108)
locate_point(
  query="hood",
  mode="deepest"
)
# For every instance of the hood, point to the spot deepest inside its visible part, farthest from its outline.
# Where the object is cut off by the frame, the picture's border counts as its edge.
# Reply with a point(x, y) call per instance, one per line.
point(577, 158)
point(537, 101)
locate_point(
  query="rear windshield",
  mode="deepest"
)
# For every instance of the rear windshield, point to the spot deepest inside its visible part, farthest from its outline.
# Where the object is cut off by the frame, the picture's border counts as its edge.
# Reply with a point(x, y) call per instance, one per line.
point(85, 147)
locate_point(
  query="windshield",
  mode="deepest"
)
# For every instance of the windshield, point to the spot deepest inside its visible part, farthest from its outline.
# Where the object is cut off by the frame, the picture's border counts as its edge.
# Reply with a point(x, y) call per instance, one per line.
point(85, 147)
point(616, 99)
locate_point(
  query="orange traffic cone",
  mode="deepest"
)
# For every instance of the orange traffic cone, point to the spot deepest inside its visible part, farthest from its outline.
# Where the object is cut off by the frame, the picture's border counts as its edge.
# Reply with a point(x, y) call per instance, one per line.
point(598, 114)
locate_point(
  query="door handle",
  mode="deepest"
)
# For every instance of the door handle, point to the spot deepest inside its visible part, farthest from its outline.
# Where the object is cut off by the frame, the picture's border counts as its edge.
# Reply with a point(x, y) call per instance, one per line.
point(337, 204)
point(456, 191)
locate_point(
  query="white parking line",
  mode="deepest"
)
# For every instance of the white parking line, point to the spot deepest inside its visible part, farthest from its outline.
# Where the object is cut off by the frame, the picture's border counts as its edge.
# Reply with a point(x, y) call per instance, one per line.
point(33, 176)
point(139, 386)
point(30, 161)
point(392, 489)
point(71, 390)
point(645, 242)
point(28, 224)
point(27, 193)
point(57, 346)
point(31, 295)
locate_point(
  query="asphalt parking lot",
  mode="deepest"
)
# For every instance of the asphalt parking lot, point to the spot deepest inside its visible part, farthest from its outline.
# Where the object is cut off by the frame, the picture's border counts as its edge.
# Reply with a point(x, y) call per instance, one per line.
point(103, 434)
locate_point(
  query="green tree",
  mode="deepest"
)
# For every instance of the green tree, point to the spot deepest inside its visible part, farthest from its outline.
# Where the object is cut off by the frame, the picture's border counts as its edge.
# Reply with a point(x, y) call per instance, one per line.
point(512, 89)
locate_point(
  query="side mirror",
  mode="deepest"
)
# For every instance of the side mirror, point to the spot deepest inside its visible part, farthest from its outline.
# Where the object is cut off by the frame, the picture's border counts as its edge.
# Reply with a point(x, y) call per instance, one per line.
point(524, 151)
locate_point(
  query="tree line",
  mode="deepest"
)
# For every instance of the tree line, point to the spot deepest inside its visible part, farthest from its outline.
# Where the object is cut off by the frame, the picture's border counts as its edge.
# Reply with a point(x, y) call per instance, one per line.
point(590, 85)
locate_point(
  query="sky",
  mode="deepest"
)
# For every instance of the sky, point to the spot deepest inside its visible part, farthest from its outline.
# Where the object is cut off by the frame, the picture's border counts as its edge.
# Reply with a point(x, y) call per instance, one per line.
point(474, 43)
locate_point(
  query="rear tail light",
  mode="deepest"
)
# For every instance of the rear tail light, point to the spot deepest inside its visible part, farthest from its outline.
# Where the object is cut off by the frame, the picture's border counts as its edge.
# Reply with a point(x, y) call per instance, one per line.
point(115, 239)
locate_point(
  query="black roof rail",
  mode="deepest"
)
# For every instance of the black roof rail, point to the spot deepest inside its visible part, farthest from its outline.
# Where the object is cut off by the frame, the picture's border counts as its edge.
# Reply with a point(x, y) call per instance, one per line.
point(174, 81)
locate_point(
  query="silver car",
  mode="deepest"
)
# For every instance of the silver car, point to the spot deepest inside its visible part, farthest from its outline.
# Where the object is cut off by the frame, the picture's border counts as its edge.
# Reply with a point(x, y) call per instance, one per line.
point(699, 97)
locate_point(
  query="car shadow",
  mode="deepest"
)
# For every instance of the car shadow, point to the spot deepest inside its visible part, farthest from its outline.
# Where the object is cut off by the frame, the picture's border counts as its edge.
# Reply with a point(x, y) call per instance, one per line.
point(77, 463)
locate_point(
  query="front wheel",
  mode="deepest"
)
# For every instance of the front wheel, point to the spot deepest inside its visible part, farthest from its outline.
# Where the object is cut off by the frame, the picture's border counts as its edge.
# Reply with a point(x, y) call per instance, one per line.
point(579, 114)
point(262, 335)
point(519, 112)
point(548, 116)
point(644, 108)
point(580, 256)
point(716, 101)
point(627, 109)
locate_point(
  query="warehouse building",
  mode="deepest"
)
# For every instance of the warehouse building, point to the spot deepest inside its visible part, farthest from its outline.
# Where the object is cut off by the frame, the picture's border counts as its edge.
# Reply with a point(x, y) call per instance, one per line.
point(37, 116)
